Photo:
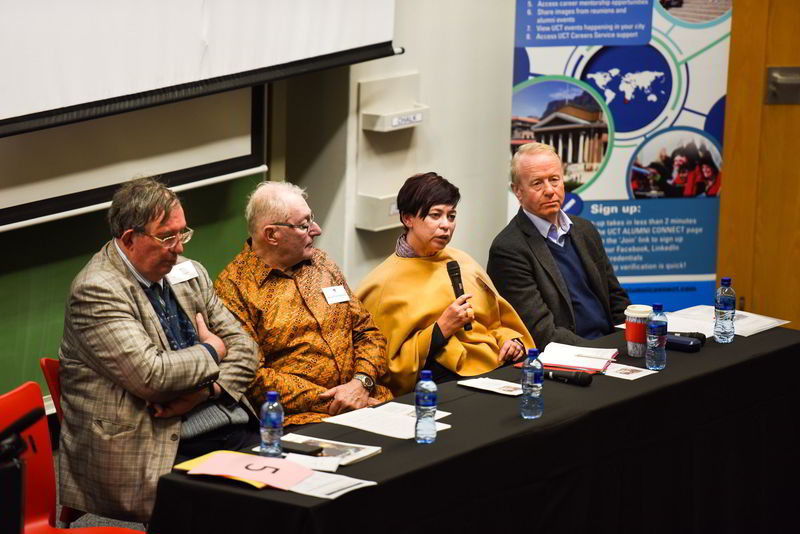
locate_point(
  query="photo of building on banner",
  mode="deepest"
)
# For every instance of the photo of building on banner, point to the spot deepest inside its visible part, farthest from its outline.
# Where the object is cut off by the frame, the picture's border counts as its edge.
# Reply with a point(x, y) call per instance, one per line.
point(631, 94)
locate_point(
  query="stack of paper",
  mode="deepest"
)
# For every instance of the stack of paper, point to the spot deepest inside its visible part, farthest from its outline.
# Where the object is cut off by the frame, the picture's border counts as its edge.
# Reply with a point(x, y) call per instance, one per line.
point(260, 472)
point(503, 387)
point(701, 319)
point(564, 356)
point(391, 419)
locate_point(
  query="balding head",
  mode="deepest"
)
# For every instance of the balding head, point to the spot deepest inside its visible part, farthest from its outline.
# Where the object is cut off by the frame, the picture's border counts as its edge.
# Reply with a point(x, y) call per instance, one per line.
point(267, 204)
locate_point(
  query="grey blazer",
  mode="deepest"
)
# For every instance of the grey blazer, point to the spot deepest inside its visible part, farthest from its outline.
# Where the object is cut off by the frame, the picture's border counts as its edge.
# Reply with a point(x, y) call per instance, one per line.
point(526, 274)
point(115, 358)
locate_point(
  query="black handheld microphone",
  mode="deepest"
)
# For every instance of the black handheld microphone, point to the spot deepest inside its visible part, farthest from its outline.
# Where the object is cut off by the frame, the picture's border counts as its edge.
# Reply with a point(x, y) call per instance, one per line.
point(578, 378)
point(458, 287)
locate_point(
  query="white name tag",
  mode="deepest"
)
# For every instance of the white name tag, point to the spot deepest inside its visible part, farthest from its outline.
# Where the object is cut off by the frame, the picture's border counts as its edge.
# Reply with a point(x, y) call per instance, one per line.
point(335, 294)
point(181, 272)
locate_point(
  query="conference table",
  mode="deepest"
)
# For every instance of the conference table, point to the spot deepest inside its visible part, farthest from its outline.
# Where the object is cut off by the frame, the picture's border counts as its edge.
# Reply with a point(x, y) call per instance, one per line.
point(709, 444)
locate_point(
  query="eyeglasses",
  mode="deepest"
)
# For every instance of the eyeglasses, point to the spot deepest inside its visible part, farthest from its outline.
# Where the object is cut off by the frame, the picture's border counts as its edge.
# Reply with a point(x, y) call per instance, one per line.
point(305, 227)
point(172, 240)
point(538, 185)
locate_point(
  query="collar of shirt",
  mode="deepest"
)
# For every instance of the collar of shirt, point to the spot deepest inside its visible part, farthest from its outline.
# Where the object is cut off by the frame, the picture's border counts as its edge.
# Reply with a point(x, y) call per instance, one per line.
point(261, 271)
point(548, 230)
point(136, 274)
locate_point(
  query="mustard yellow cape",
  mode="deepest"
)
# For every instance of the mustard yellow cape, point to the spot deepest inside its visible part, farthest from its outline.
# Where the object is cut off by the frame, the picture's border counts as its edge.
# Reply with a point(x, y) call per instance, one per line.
point(407, 295)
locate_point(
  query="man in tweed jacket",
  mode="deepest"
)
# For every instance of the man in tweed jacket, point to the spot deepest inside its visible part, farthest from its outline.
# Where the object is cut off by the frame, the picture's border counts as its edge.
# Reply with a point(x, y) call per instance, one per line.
point(150, 361)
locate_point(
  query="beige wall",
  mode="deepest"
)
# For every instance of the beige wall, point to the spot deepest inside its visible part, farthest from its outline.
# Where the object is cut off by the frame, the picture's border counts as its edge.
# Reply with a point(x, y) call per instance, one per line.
point(463, 52)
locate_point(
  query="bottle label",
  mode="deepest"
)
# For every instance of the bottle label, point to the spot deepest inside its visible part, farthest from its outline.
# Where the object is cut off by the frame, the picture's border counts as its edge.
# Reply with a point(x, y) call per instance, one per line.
point(538, 376)
point(273, 420)
point(725, 303)
point(657, 328)
point(426, 398)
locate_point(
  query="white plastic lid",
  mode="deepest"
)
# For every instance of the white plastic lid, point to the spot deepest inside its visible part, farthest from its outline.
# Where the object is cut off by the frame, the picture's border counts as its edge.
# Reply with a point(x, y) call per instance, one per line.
point(639, 311)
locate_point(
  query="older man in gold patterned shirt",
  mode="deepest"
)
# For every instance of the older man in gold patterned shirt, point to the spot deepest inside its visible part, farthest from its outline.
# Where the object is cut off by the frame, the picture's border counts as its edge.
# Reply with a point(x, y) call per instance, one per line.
point(319, 347)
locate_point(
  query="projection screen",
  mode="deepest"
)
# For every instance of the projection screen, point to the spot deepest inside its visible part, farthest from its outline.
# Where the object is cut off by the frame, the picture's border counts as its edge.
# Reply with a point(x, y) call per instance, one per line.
point(67, 62)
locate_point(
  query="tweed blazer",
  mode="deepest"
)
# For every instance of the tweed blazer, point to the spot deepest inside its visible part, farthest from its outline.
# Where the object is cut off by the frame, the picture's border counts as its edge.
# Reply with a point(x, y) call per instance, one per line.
point(526, 274)
point(115, 358)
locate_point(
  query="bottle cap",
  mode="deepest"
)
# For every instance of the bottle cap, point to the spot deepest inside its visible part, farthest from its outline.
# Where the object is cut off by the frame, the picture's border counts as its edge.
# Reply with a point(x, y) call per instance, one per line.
point(272, 396)
point(657, 307)
point(425, 375)
point(726, 281)
point(533, 353)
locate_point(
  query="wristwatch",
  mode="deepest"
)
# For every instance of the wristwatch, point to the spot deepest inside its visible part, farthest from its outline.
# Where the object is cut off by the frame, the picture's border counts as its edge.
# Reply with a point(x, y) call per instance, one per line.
point(366, 381)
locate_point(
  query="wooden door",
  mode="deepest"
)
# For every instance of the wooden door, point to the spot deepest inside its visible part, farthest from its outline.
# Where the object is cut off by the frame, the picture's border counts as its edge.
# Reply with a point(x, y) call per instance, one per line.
point(759, 231)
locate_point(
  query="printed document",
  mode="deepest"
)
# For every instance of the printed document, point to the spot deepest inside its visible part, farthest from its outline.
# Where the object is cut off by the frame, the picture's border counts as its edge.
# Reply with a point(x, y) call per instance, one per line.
point(391, 419)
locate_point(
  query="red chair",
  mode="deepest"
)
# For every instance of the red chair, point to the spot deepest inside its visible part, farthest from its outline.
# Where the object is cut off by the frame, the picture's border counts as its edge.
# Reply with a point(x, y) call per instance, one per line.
point(40, 479)
point(51, 369)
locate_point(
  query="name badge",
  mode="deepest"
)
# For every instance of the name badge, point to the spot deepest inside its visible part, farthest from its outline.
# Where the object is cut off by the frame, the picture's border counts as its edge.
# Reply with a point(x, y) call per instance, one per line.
point(335, 294)
point(181, 272)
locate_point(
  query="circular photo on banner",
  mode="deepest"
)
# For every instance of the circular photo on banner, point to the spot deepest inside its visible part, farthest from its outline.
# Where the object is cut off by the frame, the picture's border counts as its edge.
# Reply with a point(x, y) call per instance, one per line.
point(571, 117)
point(635, 81)
point(676, 163)
point(695, 12)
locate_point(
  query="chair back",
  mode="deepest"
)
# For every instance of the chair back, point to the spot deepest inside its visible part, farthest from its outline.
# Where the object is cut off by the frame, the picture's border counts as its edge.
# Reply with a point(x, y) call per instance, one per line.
point(40, 479)
point(51, 369)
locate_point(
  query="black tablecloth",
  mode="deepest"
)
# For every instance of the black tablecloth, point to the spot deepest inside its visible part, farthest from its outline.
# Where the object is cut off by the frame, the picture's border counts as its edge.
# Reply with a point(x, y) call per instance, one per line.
point(707, 445)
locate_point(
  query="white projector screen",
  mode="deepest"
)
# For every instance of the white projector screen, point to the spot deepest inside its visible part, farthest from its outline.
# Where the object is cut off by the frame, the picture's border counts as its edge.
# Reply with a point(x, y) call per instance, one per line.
point(69, 62)
point(57, 54)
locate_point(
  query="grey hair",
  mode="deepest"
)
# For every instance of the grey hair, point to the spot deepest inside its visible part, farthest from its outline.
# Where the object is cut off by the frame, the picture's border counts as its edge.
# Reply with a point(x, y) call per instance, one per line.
point(268, 202)
point(529, 149)
point(137, 203)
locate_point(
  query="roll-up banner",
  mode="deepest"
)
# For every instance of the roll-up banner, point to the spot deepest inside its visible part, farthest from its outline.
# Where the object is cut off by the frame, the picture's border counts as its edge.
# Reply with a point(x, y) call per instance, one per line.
point(631, 93)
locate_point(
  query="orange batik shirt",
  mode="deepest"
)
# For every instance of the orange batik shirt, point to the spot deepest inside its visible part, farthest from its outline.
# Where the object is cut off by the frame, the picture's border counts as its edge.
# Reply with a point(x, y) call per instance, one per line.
point(306, 345)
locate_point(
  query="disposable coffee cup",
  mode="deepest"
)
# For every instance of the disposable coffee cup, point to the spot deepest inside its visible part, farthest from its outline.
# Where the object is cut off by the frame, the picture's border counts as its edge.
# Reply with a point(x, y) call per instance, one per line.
point(636, 316)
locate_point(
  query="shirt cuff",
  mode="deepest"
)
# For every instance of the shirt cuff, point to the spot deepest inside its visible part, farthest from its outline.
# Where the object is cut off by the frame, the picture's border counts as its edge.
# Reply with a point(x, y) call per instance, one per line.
point(438, 341)
point(212, 352)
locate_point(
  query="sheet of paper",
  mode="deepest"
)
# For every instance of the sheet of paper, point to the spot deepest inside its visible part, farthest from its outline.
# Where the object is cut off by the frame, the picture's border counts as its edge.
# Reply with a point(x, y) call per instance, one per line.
point(503, 387)
point(627, 372)
point(392, 421)
point(317, 463)
point(397, 408)
point(745, 323)
point(275, 472)
point(329, 485)
point(680, 323)
point(190, 464)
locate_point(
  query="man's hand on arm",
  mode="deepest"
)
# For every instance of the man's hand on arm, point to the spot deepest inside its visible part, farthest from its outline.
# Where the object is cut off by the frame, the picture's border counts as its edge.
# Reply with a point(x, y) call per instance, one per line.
point(350, 396)
point(204, 335)
point(184, 403)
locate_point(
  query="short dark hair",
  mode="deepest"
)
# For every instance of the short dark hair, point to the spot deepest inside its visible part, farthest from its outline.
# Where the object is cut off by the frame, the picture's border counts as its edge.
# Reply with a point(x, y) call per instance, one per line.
point(423, 191)
point(138, 202)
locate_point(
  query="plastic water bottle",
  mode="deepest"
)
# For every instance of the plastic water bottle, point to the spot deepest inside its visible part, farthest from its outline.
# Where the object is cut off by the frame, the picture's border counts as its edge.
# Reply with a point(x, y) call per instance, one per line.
point(724, 312)
point(271, 425)
point(656, 356)
point(531, 404)
point(425, 429)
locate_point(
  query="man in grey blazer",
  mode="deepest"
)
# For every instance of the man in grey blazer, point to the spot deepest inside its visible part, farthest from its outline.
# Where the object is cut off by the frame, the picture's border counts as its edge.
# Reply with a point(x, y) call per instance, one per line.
point(553, 268)
point(152, 364)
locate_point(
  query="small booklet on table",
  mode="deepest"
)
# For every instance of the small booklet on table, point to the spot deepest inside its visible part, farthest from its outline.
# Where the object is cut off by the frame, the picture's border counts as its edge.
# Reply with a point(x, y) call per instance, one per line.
point(562, 356)
point(348, 453)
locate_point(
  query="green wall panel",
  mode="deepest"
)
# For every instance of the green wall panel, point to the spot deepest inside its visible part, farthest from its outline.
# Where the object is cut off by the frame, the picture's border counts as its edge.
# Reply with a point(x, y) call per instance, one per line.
point(39, 263)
